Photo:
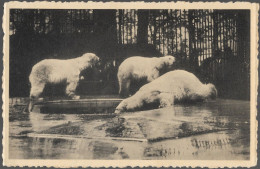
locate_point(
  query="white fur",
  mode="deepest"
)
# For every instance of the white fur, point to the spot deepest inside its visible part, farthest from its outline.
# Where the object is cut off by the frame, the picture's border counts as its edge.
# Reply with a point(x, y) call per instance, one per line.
point(178, 85)
point(137, 67)
point(55, 71)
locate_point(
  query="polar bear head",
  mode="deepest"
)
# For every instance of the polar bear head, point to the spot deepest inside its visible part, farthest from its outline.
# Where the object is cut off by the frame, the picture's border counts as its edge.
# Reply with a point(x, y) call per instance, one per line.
point(212, 91)
point(89, 60)
point(121, 107)
point(169, 59)
point(166, 62)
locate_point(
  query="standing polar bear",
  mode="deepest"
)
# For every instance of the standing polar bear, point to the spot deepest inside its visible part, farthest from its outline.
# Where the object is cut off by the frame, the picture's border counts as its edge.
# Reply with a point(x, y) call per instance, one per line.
point(141, 68)
point(172, 87)
point(55, 71)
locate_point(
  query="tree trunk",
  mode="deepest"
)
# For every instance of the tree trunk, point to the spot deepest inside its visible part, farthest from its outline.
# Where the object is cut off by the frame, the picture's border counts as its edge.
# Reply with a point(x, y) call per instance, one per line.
point(142, 32)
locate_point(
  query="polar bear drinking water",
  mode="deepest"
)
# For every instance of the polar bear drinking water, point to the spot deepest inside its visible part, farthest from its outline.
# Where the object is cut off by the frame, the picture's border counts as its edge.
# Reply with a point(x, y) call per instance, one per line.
point(138, 68)
point(55, 71)
point(172, 87)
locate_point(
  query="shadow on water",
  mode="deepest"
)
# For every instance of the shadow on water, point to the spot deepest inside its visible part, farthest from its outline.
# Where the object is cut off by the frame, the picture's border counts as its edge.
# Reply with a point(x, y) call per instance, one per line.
point(213, 130)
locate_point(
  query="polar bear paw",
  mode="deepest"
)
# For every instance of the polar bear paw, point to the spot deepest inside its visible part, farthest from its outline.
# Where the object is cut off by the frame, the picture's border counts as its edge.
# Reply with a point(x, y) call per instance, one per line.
point(165, 103)
point(76, 97)
point(41, 99)
point(118, 111)
point(162, 105)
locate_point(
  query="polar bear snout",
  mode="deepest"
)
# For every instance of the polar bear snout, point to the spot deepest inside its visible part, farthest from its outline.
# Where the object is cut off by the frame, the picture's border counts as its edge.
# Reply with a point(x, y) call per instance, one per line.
point(98, 65)
point(169, 61)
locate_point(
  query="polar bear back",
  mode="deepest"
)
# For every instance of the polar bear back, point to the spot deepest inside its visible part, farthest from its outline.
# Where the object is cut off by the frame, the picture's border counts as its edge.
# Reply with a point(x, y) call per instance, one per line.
point(53, 70)
point(176, 81)
point(138, 66)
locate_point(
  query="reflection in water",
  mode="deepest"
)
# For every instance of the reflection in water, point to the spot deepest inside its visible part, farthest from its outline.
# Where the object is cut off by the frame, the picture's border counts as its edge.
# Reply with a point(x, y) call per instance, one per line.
point(44, 121)
point(207, 146)
point(215, 130)
point(102, 150)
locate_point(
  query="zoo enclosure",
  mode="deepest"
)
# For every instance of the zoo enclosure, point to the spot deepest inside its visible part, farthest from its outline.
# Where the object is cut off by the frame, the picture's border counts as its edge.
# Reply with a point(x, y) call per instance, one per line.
point(213, 44)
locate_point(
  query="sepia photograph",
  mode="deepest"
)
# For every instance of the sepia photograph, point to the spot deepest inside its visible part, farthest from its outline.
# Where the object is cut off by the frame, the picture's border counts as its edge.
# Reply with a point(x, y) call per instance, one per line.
point(141, 85)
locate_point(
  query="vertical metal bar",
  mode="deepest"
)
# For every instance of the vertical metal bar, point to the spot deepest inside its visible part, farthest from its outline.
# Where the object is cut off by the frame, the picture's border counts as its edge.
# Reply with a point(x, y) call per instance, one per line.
point(120, 26)
point(203, 32)
point(209, 35)
point(234, 34)
point(176, 32)
point(206, 34)
point(228, 32)
point(167, 30)
point(185, 38)
point(196, 34)
point(134, 22)
point(123, 25)
point(236, 43)
point(130, 25)
point(163, 31)
point(180, 21)
point(199, 34)
point(155, 30)
point(133, 25)
point(219, 32)
point(222, 32)
point(213, 45)
point(202, 35)
point(223, 44)
point(159, 25)
point(172, 32)
point(127, 28)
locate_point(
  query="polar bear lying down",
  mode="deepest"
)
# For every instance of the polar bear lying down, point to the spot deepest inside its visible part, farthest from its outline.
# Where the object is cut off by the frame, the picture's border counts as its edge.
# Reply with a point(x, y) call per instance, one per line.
point(55, 71)
point(137, 68)
point(172, 87)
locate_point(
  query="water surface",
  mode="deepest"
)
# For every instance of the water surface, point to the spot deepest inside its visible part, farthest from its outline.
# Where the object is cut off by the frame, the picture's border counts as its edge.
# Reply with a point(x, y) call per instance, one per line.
point(207, 131)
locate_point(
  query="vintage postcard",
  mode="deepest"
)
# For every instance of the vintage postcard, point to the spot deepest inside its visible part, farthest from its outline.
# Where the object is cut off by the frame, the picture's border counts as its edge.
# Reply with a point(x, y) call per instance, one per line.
point(130, 84)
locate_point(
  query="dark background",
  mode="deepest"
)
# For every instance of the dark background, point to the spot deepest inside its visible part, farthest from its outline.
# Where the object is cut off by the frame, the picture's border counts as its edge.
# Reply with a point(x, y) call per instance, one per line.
point(213, 44)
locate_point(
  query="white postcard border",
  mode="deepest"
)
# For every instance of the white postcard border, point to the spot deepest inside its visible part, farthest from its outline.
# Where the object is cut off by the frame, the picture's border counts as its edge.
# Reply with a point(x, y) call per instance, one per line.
point(253, 7)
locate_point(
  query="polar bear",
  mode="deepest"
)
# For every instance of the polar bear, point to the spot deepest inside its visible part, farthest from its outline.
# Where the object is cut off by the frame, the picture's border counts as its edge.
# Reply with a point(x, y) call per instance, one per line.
point(172, 87)
point(142, 68)
point(54, 71)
